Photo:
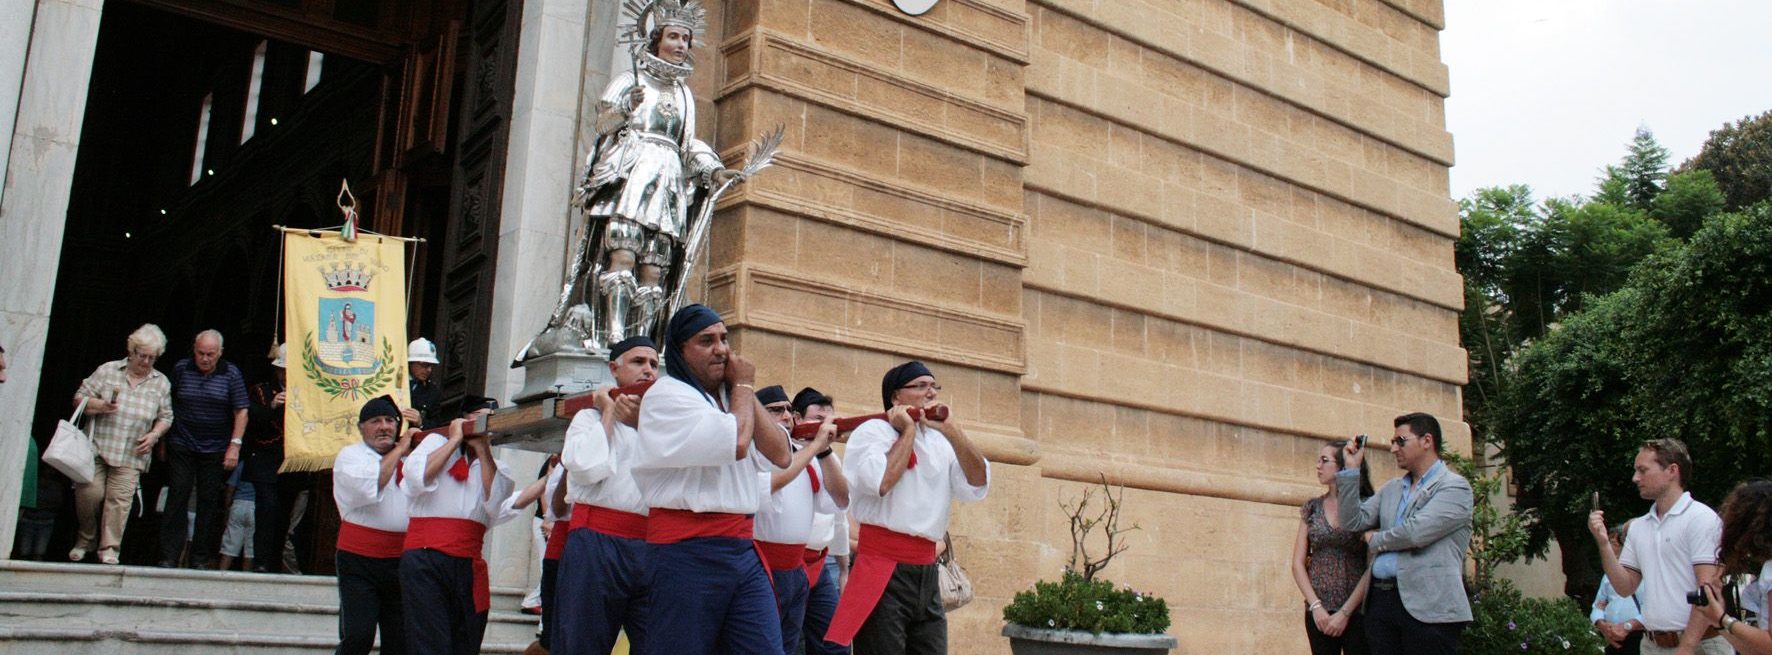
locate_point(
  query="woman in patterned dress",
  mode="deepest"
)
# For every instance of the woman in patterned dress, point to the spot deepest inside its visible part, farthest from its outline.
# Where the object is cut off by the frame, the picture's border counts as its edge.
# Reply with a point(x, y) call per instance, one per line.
point(1330, 565)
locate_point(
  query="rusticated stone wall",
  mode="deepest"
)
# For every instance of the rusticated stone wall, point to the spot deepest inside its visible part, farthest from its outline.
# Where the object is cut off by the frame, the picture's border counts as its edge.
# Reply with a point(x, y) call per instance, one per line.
point(1181, 243)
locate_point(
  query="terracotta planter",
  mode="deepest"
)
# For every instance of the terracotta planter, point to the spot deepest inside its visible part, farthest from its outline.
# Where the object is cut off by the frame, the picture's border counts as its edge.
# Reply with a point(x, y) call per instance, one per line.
point(1024, 640)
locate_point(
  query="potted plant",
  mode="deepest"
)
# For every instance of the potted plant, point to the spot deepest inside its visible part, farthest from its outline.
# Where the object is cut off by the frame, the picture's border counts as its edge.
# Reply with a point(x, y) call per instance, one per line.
point(1081, 614)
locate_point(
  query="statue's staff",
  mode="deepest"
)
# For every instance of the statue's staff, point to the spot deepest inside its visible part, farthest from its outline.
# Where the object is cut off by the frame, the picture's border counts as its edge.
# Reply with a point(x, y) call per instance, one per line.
point(762, 155)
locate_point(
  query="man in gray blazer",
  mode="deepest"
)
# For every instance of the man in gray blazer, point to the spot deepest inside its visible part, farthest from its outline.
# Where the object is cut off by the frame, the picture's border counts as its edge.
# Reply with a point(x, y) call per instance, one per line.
point(1419, 526)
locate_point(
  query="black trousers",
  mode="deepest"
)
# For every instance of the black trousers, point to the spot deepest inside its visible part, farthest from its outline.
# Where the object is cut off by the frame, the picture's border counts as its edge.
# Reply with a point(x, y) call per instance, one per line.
point(909, 618)
point(1351, 642)
point(438, 590)
point(550, 581)
point(1391, 630)
point(187, 469)
point(368, 597)
point(1632, 645)
point(268, 514)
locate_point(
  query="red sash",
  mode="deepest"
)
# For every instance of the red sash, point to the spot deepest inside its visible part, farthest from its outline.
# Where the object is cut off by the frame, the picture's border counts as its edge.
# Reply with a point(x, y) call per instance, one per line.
point(669, 526)
point(877, 553)
point(813, 560)
point(557, 540)
point(612, 522)
point(782, 557)
point(456, 538)
point(370, 542)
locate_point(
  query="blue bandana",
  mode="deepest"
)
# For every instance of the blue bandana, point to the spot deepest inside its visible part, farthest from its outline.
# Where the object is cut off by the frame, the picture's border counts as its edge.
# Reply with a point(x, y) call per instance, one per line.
point(628, 344)
point(686, 323)
point(899, 376)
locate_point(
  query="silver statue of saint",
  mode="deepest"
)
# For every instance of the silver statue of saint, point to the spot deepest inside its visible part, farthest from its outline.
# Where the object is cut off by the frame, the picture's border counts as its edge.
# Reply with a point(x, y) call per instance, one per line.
point(645, 182)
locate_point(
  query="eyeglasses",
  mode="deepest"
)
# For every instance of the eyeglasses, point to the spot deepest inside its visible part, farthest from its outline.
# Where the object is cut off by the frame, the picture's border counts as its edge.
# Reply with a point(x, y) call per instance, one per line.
point(922, 386)
point(779, 409)
point(1399, 442)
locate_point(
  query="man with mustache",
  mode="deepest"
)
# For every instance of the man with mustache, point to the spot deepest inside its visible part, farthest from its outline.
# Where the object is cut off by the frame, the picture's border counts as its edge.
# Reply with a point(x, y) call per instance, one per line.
point(705, 444)
point(371, 531)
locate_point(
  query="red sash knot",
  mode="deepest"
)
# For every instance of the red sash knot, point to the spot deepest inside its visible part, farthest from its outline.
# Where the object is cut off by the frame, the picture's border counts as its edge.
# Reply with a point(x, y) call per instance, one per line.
point(877, 553)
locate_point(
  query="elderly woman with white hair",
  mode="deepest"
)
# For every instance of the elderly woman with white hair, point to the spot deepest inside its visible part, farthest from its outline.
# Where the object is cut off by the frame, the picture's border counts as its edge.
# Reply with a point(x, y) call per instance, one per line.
point(130, 407)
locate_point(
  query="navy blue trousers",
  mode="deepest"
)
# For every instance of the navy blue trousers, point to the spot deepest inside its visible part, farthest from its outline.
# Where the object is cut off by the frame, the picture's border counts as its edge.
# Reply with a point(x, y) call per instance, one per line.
point(821, 604)
point(438, 591)
point(790, 602)
point(719, 599)
point(604, 579)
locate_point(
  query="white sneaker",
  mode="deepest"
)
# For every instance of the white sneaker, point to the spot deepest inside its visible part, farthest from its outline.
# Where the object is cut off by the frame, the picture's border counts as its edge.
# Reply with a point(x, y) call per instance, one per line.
point(76, 554)
point(108, 558)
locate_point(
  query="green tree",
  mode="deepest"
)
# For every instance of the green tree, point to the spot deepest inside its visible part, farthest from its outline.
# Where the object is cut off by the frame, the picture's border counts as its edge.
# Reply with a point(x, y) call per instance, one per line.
point(1644, 169)
point(1683, 350)
point(1739, 155)
point(1690, 197)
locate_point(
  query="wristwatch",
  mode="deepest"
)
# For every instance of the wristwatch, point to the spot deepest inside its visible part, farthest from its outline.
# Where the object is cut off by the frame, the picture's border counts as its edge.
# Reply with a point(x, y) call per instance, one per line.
point(236, 441)
point(1727, 622)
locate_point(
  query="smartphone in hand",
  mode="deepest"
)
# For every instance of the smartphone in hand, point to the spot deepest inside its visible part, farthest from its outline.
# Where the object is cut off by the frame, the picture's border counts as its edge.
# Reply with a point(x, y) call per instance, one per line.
point(1360, 442)
point(1594, 504)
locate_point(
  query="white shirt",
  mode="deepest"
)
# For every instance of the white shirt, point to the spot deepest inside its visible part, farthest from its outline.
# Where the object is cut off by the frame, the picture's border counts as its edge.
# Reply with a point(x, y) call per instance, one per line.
point(786, 515)
point(547, 496)
point(918, 504)
point(355, 474)
point(830, 531)
point(684, 457)
point(599, 464)
point(1753, 594)
point(445, 497)
point(1664, 550)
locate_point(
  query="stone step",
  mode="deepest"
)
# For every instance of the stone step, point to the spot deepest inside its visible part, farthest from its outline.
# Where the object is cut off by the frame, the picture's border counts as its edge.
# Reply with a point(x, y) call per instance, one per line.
point(151, 581)
point(120, 609)
point(57, 641)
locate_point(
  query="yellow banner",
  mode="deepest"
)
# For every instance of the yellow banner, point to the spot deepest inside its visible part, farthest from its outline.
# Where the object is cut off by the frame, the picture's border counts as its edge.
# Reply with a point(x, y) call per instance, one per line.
point(345, 327)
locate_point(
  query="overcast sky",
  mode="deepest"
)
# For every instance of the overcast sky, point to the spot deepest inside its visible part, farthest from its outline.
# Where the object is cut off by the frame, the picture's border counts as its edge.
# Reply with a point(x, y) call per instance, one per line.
point(1546, 92)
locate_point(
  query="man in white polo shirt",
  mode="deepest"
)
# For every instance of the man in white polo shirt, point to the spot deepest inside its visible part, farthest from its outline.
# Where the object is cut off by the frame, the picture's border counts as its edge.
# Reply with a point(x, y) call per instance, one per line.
point(1669, 553)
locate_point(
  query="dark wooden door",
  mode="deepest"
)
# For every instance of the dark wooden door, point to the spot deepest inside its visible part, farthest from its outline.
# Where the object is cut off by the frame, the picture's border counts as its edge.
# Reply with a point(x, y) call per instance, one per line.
point(470, 248)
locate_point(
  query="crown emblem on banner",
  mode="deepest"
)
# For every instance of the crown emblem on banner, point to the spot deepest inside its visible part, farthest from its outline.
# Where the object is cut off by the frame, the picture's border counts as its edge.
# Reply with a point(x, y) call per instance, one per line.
point(347, 277)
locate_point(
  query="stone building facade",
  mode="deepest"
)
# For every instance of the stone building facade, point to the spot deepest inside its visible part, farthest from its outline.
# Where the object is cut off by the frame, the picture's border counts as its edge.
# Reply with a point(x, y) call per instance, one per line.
point(1178, 243)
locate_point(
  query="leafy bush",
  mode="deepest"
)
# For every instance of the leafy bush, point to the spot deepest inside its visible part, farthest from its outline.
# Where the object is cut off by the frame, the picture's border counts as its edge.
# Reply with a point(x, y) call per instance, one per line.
point(1074, 603)
point(1504, 622)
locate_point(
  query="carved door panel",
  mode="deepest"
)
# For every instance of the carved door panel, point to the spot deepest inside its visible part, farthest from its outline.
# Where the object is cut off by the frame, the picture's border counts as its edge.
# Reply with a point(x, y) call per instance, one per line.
point(470, 248)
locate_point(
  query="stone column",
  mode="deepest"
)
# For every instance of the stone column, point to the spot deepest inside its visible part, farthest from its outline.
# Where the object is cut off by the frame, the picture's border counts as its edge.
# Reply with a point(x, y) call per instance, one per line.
point(44, 135)
point(535, 224)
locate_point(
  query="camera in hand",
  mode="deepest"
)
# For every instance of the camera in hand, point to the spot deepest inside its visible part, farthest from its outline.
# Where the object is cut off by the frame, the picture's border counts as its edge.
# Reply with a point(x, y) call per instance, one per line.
point(1697, 598)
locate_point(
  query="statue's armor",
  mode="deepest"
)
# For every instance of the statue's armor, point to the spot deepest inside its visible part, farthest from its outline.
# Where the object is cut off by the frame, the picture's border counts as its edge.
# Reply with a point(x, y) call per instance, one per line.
point(639, 189)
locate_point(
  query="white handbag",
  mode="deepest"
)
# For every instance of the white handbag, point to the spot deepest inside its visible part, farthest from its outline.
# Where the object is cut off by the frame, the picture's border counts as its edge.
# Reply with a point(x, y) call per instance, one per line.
point(71, 451)
point(956, 586)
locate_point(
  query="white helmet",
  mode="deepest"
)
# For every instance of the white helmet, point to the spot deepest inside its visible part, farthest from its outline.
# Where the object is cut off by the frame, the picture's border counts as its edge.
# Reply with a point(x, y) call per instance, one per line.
point(421, 350)
point(282, 351)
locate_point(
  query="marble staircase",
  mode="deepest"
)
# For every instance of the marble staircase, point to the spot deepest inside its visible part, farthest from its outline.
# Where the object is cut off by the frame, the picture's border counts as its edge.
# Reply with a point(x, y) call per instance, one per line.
point(82, 609)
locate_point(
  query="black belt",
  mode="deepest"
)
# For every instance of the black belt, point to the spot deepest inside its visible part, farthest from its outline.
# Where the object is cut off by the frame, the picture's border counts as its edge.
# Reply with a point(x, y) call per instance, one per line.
point(1384, 584)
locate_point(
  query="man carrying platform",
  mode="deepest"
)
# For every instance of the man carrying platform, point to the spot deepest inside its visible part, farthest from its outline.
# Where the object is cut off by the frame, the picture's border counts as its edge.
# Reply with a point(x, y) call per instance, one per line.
point(784, 524)
point(827, 550)
point(700, 470)
point(454, 491)
point(371, 532)
point(904, 472)
point(602, 569)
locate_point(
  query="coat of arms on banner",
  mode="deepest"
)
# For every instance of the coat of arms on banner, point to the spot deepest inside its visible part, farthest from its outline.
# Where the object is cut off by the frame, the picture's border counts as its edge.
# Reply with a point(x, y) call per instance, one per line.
point(344, 356)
